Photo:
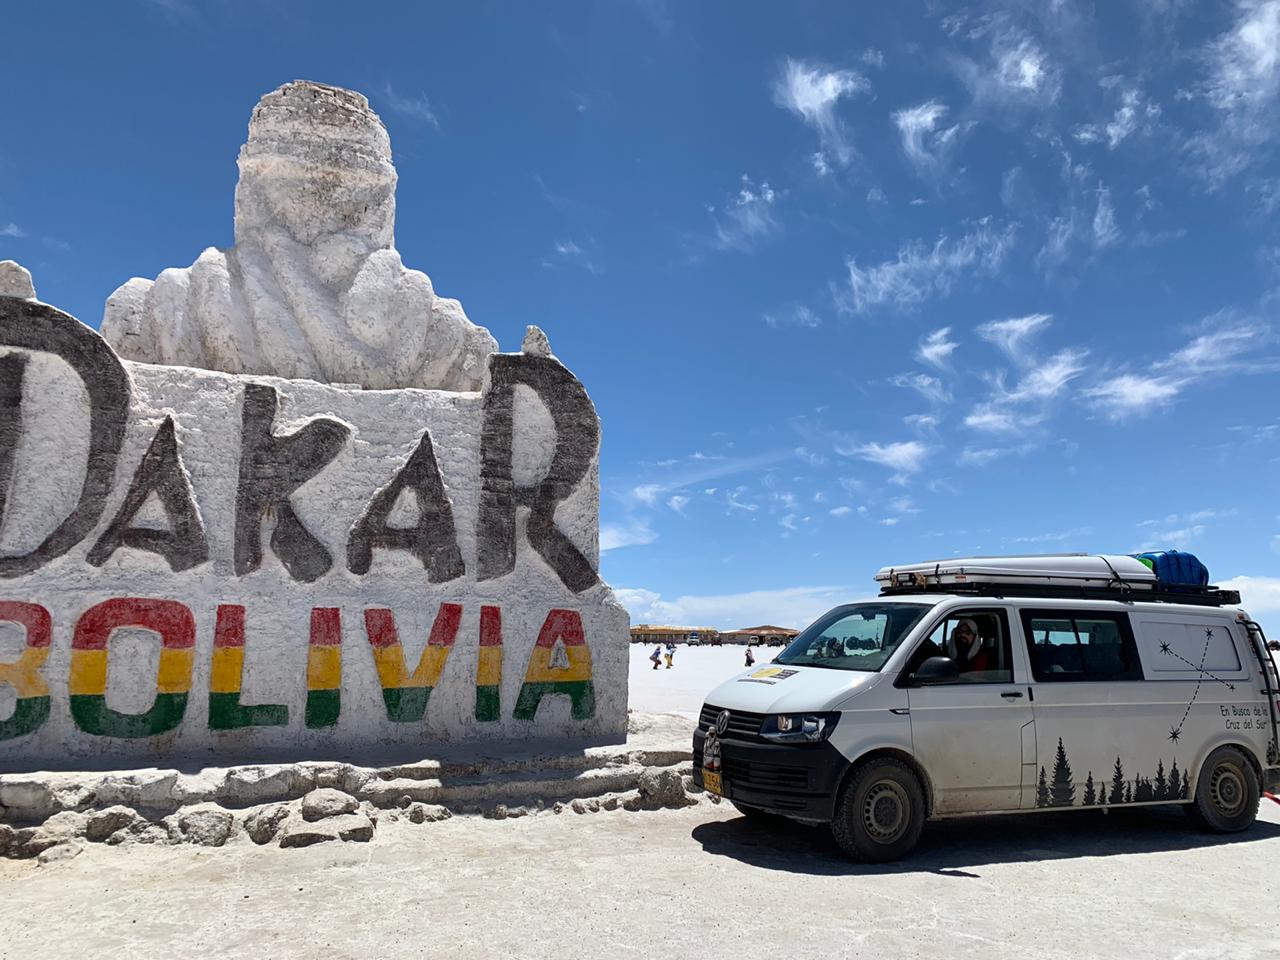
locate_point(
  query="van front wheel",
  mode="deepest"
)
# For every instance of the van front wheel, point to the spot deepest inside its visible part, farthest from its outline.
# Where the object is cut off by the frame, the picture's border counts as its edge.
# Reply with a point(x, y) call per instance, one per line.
point(1227, 793)
point(879, 811)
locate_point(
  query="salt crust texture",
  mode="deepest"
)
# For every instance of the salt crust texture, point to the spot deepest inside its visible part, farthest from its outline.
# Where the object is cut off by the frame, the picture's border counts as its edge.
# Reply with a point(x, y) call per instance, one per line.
point(313, 286)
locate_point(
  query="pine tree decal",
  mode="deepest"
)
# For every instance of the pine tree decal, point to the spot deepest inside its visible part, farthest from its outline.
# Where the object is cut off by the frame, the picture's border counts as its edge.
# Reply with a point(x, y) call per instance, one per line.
point(1175, 781)
point(1090, 792)
point(1128, 793)
point(1161, 791)
point(1042, 791)
point(1142, 791)
point(1117, 784)
point(1186, 783)
point(1063, 791)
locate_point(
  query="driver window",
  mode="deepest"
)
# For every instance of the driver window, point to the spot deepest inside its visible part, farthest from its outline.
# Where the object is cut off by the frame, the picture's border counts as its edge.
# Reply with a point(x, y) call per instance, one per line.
point(977, 640)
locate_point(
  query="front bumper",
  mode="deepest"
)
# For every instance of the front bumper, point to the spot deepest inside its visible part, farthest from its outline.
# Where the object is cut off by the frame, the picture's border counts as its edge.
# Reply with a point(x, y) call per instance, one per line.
point(795, 780)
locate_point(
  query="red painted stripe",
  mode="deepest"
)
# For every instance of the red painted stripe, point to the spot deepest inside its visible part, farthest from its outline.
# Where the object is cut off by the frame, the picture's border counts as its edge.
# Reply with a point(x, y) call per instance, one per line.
point(326, 627)
point(566, 624)
point(32, 616)
point(170, 619)
point(380, 627)
point(445, 630)
point(228, 626)
point(490, 626)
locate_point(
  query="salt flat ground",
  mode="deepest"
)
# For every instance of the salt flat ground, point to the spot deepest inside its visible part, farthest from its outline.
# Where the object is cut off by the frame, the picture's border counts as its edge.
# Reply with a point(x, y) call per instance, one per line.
point(700, 882)
point(695, 671)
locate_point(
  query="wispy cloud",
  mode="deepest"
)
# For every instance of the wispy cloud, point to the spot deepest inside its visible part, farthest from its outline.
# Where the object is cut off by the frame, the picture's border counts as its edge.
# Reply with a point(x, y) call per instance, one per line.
point(12, 230)
point(1128, 395)
point(788, 607)
point(812, 92)
point(797, 315)
point(633, 533)
point(921, 271)
point(931, 388)
point(1013, 336)
point(925, 140)
point(904, 457)
point(1134, 114)
point(678, 502)
point(746, 217)
point(1016, 71)
point(417, 108)
point(1105, 231)
point(936, 348)
point(570, 253)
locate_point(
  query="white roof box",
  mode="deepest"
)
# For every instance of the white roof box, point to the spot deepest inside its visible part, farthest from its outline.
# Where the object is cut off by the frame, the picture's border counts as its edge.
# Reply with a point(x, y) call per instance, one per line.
point(1059, 570)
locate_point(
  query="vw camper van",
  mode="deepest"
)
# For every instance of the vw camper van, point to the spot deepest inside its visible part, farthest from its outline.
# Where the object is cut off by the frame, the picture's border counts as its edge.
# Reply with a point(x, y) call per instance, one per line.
point(1002, 685)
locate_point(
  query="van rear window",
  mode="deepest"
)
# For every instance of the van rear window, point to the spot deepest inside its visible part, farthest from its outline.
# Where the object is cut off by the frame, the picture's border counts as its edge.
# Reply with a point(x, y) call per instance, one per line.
point(1065, 646)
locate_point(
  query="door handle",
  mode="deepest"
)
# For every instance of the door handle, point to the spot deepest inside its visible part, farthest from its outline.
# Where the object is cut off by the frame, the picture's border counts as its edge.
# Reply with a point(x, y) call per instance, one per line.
point(1012, 694)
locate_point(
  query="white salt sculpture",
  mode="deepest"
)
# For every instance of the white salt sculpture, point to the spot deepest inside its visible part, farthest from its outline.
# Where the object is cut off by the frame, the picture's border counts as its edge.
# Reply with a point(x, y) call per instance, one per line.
point(313, 287)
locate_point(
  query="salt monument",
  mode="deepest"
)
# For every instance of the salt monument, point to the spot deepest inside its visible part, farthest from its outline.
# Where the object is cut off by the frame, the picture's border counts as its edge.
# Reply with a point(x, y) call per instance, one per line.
point(291, 503)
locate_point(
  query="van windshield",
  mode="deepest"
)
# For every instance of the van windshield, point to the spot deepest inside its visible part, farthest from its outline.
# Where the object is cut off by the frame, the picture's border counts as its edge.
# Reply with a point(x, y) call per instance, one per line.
point(860, 636)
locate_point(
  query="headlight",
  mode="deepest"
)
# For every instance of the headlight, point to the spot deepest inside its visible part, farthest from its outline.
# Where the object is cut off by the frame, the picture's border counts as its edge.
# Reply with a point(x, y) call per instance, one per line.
point(799, 727)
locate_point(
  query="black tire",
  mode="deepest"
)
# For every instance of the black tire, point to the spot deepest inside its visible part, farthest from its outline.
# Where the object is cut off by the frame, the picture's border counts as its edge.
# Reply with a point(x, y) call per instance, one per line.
point(755, 813)
point(1227, 793)
point(879, 812)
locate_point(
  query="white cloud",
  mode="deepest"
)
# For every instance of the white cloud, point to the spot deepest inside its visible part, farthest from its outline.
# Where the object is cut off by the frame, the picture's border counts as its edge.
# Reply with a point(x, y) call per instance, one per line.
point(1017, 73)
point(677, 503)
point(796, 316)
point(1135, 113)
point(936, 348)
point(1179, 539)
point(840, 511)
point(980, 456)
point(12, 230)
point(789, 607)
point(924, 141)
point(904, 457)
point(1221, 348)
point(1105, 231)
point(931, 388)
point(1258, 595)
point(569, 252)
point(636, 533)
point(646, 493)
point(993, 420)
point(812, 92)
point(1013, 335)
point(411, 108)
point(922, 271)
point(872, 57)
point(1132, 395)
point(1048, 379)
point(746, 217)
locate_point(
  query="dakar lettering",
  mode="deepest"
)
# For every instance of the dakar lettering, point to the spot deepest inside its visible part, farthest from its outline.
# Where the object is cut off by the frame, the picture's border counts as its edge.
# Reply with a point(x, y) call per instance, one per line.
point(274, 464)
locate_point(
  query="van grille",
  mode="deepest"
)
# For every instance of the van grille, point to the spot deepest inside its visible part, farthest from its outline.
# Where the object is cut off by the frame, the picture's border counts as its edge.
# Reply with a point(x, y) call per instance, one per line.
point(742, 725)
point(766, 776)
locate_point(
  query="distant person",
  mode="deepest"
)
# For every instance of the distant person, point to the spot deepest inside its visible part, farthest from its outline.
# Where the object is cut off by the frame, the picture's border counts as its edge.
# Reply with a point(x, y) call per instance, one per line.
point(656, 657)
point(751, 658)
point(671, 653)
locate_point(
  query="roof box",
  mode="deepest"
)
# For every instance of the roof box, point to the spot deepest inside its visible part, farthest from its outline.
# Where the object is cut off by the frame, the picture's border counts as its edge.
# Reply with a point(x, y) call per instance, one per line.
point(1061, 569)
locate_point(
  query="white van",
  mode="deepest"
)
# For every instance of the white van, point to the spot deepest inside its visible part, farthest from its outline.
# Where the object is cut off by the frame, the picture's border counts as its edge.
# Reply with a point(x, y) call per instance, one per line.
point(1000, 685)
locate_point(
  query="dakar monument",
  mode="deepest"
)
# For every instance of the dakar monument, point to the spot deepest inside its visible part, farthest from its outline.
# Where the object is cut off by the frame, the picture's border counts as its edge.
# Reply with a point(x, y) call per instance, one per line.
point(291, 503)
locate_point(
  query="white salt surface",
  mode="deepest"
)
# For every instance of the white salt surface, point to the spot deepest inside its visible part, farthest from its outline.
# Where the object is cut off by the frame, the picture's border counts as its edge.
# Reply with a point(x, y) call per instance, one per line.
point(695, 671)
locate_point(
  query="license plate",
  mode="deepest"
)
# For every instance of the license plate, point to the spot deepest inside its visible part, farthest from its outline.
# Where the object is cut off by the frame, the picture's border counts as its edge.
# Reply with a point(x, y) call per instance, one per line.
point(712, 782)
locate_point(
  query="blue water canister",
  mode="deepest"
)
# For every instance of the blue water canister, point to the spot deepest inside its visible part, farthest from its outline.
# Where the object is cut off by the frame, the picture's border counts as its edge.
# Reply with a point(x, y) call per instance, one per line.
point(1176, 568)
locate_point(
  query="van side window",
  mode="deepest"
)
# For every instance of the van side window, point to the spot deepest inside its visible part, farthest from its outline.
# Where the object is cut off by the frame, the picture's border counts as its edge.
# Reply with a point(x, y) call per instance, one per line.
point(1065, 646)
point(989, 661)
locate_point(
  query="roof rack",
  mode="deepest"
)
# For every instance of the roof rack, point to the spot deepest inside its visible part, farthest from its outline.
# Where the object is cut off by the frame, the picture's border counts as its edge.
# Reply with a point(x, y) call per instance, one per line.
point(1069, 576)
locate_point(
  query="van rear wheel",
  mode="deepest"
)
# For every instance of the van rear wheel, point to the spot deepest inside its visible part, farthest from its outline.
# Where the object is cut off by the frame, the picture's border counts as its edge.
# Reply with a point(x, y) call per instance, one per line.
point(1227, 793)
point(879, 812)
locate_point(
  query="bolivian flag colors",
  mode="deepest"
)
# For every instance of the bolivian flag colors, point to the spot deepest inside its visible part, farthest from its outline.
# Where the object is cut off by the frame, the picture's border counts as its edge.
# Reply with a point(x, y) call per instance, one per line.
point(23, 674)
point(570, 677)
point(404, 693)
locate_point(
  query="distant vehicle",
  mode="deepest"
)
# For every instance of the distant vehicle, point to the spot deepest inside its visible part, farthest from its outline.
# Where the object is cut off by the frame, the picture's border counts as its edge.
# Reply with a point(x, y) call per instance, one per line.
point(694, 640)
point(999, 685)
point(716, 641)
point(775, 641)
point(753, 641)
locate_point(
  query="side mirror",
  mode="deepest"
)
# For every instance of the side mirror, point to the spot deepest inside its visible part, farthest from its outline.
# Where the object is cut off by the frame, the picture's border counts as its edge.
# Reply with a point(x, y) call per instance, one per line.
point(935, 670)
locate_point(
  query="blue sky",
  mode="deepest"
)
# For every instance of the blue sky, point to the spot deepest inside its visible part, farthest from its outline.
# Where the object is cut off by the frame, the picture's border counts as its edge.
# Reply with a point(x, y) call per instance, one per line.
point(850, 284)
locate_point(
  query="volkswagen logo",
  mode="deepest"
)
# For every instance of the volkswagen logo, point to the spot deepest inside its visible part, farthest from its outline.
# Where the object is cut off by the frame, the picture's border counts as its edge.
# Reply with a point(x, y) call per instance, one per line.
point(722, 723)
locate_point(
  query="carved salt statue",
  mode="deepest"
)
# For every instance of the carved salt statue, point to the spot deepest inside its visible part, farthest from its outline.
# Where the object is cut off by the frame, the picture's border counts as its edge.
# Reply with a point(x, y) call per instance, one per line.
point(313, 287)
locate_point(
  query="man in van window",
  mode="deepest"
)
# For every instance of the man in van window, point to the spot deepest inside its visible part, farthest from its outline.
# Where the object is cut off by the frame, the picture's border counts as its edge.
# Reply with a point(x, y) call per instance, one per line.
point(966, 649)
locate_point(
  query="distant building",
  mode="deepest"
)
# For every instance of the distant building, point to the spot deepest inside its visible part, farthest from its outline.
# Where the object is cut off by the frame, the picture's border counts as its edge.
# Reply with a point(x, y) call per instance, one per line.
point(656, 633)
point(768, 635)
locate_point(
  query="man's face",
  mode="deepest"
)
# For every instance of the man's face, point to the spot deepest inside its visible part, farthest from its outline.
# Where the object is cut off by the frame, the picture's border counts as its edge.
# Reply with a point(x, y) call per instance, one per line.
point(964, 636)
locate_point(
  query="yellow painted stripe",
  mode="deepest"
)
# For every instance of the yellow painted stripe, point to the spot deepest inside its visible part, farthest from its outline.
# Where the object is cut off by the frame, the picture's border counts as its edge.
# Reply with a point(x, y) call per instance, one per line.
point(540, 666)
point(489, 670)
point(430, 666)
point(390, 664)
point(88, 676)
point(227, 669)
point(324, 667)
point(174, 675)
point(24, 673)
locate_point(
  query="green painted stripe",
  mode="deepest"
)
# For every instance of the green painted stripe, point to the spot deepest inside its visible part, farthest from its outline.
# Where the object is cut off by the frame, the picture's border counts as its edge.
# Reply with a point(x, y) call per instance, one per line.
point(92, 715)
point(226, 712)
point(488, 703)
point(29, 713)
point(406, 704)
point(582, 694)
point(323, 707)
